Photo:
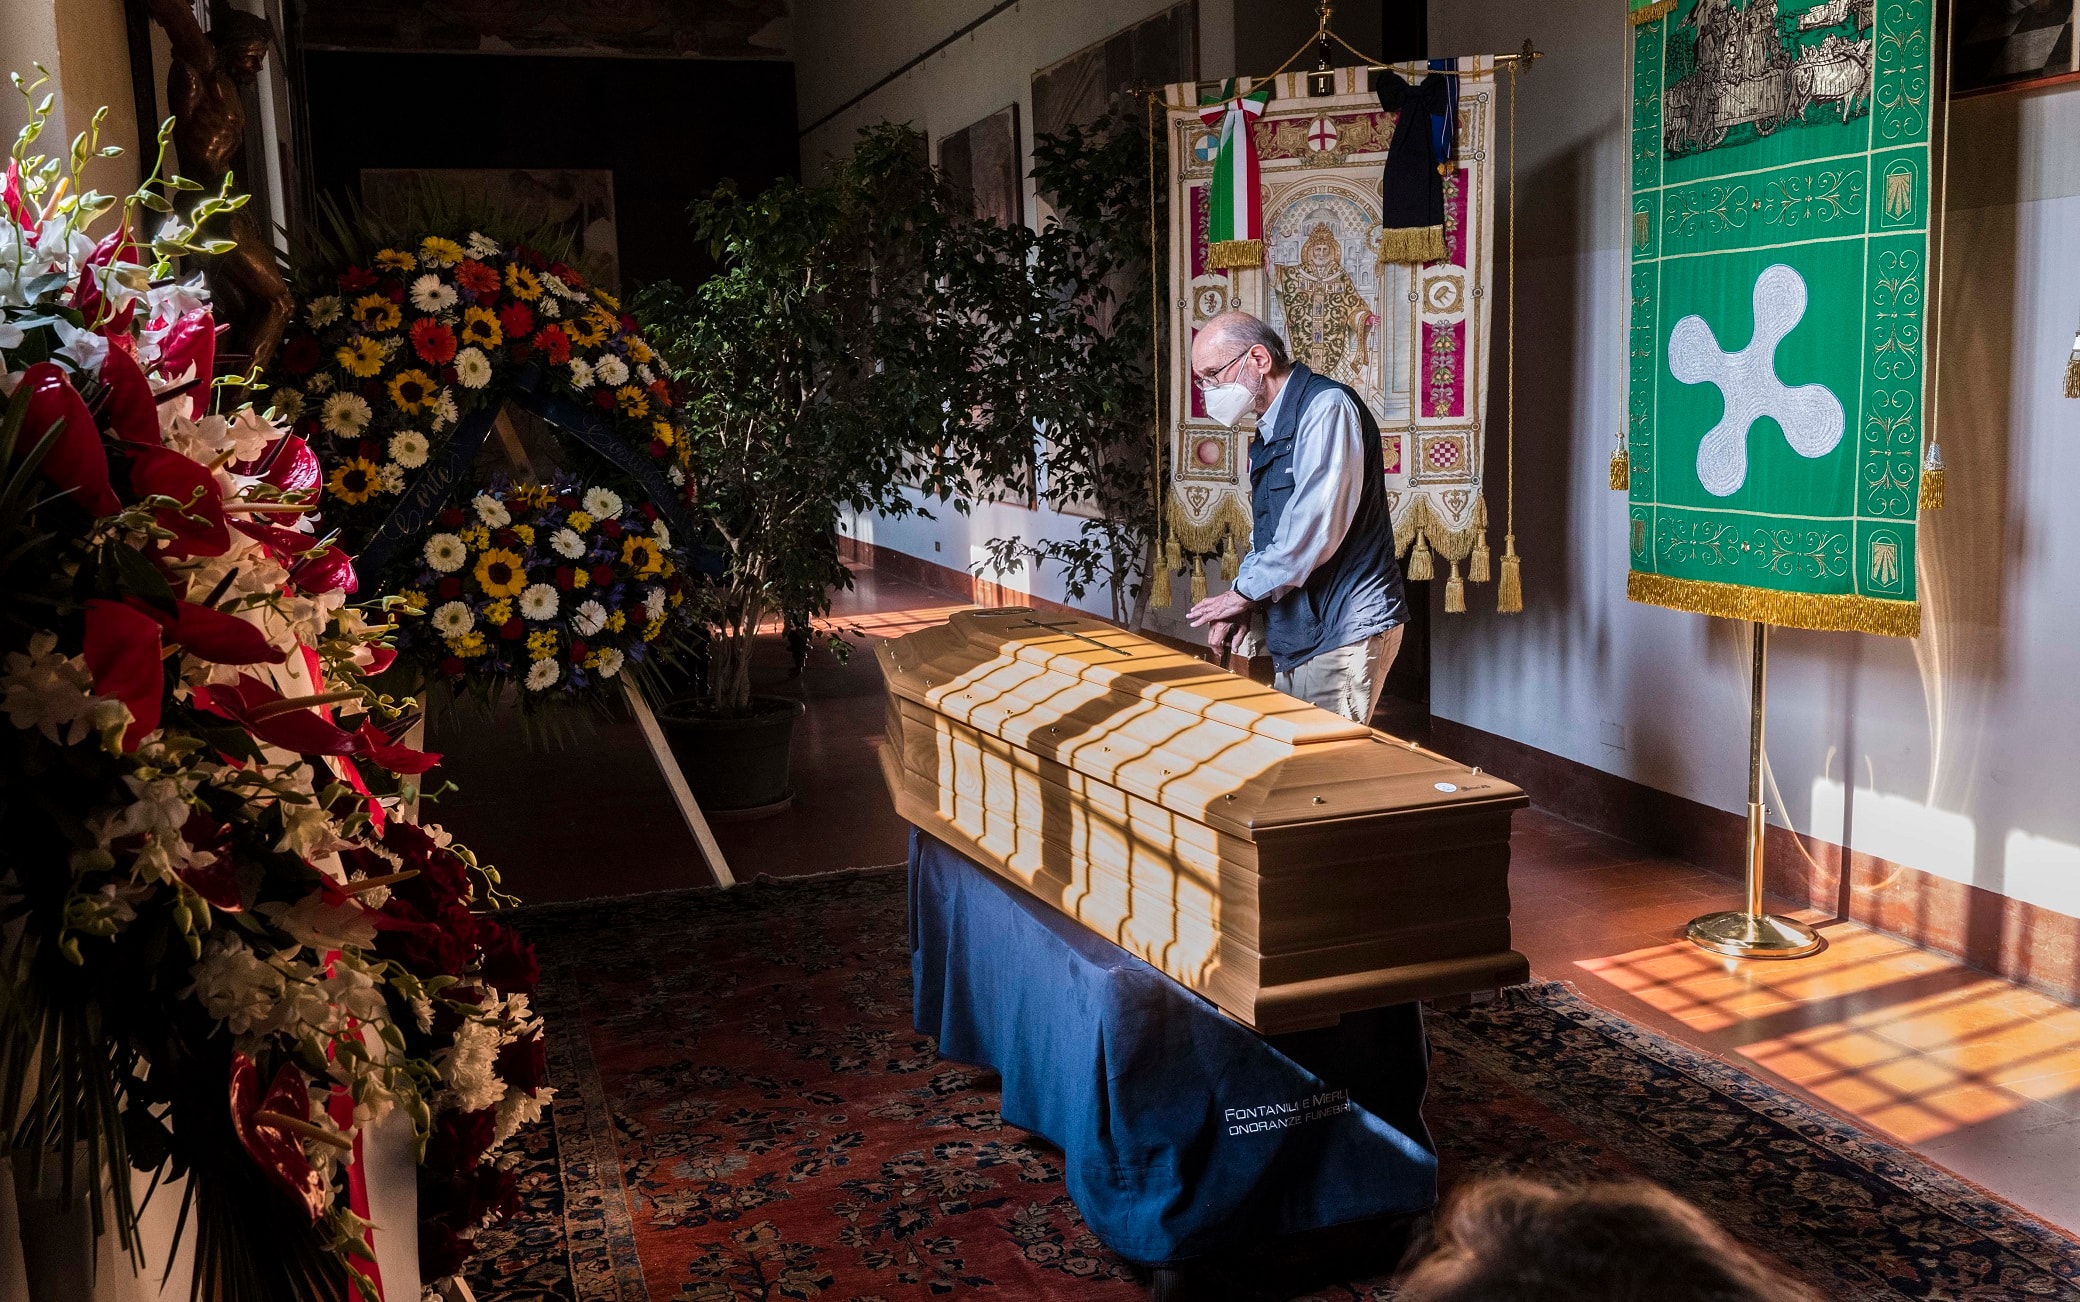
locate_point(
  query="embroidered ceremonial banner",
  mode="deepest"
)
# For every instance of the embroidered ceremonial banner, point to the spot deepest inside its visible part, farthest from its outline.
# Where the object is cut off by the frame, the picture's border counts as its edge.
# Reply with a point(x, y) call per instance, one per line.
point(1781, 201)
point(1413, 341)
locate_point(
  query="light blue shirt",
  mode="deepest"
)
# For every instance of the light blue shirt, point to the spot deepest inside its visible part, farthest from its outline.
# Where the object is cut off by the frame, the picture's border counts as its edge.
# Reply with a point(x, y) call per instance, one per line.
point(1328, 480)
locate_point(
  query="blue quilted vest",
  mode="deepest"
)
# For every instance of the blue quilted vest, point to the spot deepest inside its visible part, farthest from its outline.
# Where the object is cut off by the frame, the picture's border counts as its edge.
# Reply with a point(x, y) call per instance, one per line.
point(1357, 592)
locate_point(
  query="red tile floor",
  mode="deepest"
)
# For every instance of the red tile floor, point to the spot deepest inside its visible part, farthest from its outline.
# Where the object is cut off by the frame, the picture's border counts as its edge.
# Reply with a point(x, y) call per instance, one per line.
point(1980, 1075)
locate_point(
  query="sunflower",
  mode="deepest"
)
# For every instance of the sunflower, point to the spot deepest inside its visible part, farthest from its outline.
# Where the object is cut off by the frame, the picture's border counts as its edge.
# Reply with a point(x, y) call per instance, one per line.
point(435, 251)
point(396, 260)
point(639, 352)
point(480, 327)
point(606, 300)
point(662, 431)
point(590, 330)
point(354, 482)
point(632, 402)
point(413, 391)
point(502, 573)
point(361, 358)
point(642, 555)
point(375, 313)
point(522, 283)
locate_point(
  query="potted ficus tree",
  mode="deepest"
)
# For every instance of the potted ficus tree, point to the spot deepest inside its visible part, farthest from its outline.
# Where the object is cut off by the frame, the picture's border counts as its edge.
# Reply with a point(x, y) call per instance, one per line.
point(850, 353)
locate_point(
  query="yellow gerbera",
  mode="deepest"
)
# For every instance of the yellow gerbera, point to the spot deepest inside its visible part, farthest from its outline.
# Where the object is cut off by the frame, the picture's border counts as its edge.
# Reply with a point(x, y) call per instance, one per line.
point(413, 391)
point(542, 645)
point(580, 521)
point(522, 283)
point(634, 403)
point(502, 573)
point(354, 482)
point(395, 260)
point(641, 555)
point(480, 327)
point(361, 358)
point(606, 300)
point(438, 252)
point(498, 612)
point(376, 313)
point(663, 432)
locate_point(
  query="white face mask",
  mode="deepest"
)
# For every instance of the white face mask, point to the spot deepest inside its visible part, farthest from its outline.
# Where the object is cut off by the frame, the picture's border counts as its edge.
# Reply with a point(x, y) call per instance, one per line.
point(1229, 403)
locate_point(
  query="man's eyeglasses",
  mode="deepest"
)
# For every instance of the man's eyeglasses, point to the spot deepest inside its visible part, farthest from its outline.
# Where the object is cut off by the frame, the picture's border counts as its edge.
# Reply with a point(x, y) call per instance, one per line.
point(1212, 379)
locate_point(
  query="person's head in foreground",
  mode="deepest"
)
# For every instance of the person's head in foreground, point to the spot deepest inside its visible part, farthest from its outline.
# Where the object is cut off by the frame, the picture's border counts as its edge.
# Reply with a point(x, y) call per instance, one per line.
point(1512, 1240)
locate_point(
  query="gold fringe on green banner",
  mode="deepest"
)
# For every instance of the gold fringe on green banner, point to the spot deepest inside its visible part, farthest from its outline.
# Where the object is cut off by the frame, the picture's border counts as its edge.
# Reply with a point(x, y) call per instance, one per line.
point(1414, 245)
point(1509, 593)
point(1230, 255)
point(1621, 470)
point(1646, 11)
point(1823, 611)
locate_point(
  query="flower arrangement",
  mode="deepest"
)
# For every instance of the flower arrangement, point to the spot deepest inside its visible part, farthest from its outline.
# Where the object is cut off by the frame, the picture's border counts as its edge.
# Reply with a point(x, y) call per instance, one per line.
point(381, 368)
point(558, 587)
point(228, 951)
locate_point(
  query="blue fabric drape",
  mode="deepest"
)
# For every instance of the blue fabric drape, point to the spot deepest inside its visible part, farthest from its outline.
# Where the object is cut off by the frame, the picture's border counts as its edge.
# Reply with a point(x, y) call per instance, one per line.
point(1182, 1130)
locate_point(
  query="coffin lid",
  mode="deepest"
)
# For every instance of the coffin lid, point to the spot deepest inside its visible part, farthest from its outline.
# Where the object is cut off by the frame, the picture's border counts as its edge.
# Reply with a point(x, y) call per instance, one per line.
point(1201, 742)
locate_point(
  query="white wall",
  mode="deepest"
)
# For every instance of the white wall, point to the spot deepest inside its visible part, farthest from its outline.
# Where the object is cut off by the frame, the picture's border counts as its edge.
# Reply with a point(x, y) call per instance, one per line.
point(1956, 754)
point(84, 46)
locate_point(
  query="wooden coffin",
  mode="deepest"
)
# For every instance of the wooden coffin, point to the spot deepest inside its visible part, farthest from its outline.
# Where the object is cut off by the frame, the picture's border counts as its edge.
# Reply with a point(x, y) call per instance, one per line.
point(1287, 864)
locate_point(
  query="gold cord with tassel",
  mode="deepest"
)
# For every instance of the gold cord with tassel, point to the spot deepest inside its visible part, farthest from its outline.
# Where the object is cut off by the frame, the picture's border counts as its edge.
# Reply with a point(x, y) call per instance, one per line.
point(1509, 594)
point(1477, 568)
point(1419, 567)
point(1160, 594)
point(1198, 588)
point(1455, 593)
point(1231, 563)
point(2073, 370)
point(1621, 469)
point(1932, 477)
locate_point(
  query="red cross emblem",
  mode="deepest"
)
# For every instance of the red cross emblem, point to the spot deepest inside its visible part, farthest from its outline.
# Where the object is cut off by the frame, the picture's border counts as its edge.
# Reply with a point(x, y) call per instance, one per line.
point(1321, 136)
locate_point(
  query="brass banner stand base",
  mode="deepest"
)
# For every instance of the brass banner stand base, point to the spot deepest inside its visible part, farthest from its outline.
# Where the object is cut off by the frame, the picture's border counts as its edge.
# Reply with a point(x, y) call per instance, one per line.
point(1751, 933)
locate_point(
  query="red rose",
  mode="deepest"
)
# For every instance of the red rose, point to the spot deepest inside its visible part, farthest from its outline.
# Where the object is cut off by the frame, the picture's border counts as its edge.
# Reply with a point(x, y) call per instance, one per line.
point(447, 375)
point(603, 576)
point(300, 356)
point(649, 510)
point(567, 501)
point(656, 450)
point(449, 588)
point(513, 629)
point(578, 653)
point(611, 528)
point(395, 293)
point(524, 1064)
point(506, 538)
point(356, 278)
point(519, 348)
point(372, 390)
point(368, 448)
point(434, 342)
point(517, 318)
point(452, 667)
point(452, 518)
point(628, 323)
point(603, 398)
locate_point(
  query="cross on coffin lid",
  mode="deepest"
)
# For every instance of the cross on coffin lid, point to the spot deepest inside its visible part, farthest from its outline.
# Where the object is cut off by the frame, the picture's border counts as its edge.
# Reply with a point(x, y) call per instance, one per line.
point(1167, 727)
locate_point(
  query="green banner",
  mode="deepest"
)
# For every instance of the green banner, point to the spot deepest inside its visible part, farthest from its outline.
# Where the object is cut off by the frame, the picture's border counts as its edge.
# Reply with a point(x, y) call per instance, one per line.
point(1781, 197)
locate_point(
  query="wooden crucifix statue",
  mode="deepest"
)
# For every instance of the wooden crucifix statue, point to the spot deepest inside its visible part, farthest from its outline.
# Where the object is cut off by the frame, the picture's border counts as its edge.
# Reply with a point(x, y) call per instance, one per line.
point(204, 89)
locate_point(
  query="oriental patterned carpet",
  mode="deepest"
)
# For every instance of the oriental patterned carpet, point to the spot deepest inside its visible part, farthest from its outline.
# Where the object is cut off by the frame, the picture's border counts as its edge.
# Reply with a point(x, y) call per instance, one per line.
point(744, 1112)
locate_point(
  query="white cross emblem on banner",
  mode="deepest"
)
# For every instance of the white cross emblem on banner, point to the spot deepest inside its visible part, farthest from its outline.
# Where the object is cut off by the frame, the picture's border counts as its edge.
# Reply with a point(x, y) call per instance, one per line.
point(1321, 136)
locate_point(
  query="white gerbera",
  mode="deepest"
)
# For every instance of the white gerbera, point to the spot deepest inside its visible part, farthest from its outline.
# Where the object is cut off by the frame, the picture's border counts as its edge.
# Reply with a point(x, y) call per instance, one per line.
point(390, 477)
point(589, 619)
point(321, 382)
point(653, 602)
point(602, 503)
point(322, 311)
point(346, 414)
point(491, 511)
point(610, 661)
point(408, 448)
point(662, 534)
point(611, 370)
point(581, 373)
point(444, 413)
point(432, 294)
point(472, 368)
point(481, 245)
point(453, 619)
point(547, 307)
point(567, 544)
point(445, 552)
point(557, 287)
point(677, 476)
point(288, 404)
point(539, 602)
point(644, 373)
point(542, 675)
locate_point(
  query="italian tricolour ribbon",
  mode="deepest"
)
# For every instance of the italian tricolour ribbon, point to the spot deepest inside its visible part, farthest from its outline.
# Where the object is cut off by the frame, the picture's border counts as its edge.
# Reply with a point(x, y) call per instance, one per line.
point(1235, 227)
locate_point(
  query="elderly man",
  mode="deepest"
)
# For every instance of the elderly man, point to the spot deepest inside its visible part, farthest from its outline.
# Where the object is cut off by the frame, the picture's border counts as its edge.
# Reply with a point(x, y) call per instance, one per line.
point(1321, 563)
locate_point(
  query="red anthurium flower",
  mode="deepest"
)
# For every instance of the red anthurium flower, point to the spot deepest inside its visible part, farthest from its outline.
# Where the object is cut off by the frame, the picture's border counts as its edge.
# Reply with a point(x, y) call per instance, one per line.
point(87, 298)
point(291, 467)
point(198, 524)
point(330, 570)
point(215, 635)
point(398, 758)
point(210, 871)
point(123, 651)
point(17, 207)
point(191, 343)
point(373, 660)
point(284, 543)
point(277, 1151)
point(132, 411)
point(75, 462)
point(299, 730)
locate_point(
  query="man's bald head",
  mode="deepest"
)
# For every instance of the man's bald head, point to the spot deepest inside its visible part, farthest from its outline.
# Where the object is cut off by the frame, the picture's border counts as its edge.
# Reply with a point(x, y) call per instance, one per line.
point(1233, 332)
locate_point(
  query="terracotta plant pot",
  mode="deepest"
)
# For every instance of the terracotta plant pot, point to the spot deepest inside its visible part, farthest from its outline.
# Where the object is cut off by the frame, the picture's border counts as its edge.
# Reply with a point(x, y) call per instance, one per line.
point(734, 766)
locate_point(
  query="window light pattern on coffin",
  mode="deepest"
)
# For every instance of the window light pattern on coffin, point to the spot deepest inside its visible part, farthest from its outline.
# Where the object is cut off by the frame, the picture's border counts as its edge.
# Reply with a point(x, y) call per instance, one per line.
point(1285, 863)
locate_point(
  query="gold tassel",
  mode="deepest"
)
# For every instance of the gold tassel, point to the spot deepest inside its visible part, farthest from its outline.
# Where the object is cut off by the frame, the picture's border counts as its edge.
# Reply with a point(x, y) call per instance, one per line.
point(1454, 593)
point(1198, 580)
point(1621, 470)
point(1509, 594)
point(1231, 564)
point(1419, 567)
point(1159, 594)
point(1643, 14)
point(1932, 477)
point(1174, 554)
point(1414, 245)
point(1229, 255)
point(1477, 566)
point(2073, 370)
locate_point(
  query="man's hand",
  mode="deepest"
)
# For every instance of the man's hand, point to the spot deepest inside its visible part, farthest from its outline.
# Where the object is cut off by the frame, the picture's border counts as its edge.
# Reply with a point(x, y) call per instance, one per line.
point(1222, 635)
point(1228, 608)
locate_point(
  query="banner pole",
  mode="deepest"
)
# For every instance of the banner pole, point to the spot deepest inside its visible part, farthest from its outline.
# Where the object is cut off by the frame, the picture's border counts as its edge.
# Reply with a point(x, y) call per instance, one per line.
point(1750, 932)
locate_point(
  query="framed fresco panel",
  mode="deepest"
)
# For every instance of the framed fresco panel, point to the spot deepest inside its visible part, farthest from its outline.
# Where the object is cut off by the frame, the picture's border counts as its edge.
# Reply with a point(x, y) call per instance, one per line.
point(984, 158)
point(2013, 44)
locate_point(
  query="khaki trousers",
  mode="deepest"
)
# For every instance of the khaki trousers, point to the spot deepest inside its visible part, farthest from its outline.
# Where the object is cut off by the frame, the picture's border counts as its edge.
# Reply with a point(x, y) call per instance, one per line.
point(1346, 681)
